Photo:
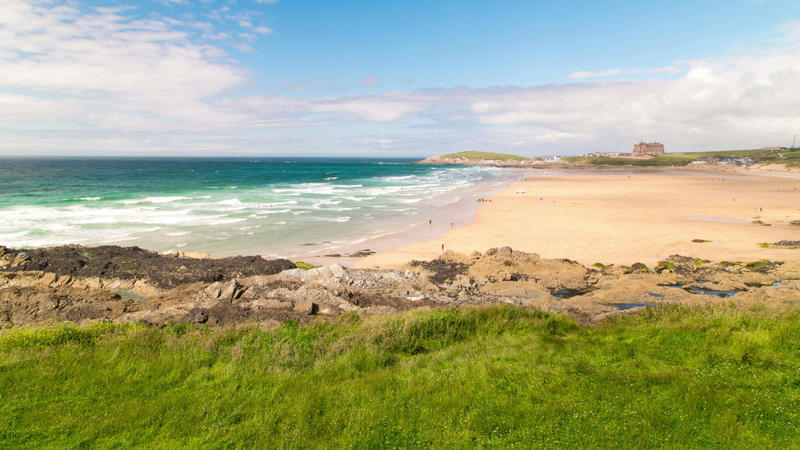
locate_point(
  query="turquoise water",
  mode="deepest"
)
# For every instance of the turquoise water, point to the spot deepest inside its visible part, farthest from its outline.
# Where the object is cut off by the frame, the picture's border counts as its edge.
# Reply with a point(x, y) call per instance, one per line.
point(279, 206)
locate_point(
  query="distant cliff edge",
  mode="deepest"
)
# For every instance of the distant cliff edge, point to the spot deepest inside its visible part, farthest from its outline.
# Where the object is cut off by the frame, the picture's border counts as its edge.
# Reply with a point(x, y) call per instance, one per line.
point(473, 158)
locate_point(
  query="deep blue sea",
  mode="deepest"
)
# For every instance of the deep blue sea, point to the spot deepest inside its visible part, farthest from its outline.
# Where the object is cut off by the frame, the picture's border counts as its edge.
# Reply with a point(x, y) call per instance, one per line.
point(274, 206)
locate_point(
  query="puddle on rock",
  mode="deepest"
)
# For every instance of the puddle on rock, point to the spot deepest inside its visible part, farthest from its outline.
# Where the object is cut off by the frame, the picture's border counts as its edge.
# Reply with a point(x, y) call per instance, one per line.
point(568, 293)
point(626, 306)
point(128, 295)
point(653, 294)
point(702, 290)
point(699, 290)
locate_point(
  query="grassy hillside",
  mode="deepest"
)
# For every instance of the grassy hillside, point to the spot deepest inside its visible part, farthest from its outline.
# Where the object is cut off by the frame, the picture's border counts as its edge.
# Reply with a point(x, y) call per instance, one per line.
point(789, 157)
point(497, 377)
point(486, 155)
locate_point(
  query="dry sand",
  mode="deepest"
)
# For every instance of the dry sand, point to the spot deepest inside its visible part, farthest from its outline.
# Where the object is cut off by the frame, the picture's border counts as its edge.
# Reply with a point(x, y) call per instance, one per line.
point(623, 218)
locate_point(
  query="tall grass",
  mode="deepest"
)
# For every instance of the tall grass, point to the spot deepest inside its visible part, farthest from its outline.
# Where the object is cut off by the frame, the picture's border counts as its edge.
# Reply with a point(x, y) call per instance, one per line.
point(481, 377)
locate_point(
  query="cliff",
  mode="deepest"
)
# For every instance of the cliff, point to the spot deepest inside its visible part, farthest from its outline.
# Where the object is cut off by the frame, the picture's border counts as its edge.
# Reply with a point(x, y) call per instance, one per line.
point(473, 158)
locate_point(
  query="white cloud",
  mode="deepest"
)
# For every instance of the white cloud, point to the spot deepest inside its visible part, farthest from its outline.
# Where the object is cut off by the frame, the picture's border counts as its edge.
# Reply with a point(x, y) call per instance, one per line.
point(588, 74)
point(103, 79)
point(104, 61)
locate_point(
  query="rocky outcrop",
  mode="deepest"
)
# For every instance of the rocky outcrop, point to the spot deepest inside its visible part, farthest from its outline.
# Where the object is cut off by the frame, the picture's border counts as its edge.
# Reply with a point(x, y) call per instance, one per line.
point(497, 276)
point(134, 263)
point(786, 244)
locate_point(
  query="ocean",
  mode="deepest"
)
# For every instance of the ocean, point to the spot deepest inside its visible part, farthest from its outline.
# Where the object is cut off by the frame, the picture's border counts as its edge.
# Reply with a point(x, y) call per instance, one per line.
point(271, 206)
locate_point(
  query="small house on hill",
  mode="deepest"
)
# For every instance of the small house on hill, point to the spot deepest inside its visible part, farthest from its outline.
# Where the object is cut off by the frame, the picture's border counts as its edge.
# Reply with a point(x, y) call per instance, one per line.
point(648, 148)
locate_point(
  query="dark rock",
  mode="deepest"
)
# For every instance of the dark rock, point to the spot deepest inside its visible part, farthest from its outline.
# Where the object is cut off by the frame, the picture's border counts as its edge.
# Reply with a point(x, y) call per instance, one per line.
point(504, 251)
point(165, 271)
point(196, 315)
point(443, 271)
point(786, 244)
point(638, 268)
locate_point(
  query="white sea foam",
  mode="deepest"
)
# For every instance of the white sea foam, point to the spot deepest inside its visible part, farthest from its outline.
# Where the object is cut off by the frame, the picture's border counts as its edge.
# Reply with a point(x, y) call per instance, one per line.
point(225, 221)
point(270, 211)
point(397, 177)
point(164, 199)
point(164, 221)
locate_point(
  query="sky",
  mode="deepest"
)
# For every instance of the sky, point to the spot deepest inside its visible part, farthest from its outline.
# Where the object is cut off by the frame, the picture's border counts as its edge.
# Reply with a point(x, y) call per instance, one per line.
point(395, 78)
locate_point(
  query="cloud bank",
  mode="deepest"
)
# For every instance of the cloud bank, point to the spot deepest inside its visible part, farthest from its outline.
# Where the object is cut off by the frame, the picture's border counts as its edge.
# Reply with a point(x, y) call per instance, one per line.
point(105, 81)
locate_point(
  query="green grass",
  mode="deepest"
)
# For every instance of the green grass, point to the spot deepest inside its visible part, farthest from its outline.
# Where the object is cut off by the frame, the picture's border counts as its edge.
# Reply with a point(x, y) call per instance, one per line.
point(304, 265)
point(789, 157)
point(486, 155)
point(486, 377)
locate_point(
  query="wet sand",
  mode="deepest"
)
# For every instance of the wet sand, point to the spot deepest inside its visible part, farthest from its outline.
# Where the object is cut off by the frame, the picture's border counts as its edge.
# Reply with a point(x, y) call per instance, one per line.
point(623, 218)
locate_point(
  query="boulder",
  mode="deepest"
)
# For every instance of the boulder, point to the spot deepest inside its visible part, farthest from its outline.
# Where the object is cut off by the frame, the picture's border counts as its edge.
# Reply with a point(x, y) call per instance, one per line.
point(306, 307)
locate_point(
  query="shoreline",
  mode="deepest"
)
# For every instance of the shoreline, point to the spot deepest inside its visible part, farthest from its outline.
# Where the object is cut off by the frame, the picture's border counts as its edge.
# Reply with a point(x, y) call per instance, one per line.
point(270, 207)
point(460, 212)
point(577, 216)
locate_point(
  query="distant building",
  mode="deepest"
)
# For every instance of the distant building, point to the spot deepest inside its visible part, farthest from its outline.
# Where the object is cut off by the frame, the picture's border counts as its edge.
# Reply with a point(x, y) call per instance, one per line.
point(648, 148)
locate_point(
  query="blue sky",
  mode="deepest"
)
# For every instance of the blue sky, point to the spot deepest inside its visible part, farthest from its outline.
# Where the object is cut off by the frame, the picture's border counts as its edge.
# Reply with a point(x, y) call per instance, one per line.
point(411, 78)
point(483, 43)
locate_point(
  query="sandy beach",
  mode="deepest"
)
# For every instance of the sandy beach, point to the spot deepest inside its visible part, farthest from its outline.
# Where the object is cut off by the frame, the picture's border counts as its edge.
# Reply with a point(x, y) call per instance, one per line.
point(623, 218)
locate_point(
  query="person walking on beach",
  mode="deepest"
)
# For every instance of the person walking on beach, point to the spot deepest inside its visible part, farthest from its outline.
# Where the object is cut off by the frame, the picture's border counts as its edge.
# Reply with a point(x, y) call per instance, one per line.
point(442, 246)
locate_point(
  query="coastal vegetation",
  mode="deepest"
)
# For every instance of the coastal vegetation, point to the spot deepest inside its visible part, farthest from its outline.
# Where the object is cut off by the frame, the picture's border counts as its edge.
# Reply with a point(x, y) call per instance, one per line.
point(789, 157)
point(494, 376)
point(470, 154)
